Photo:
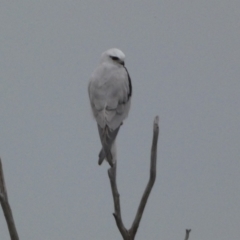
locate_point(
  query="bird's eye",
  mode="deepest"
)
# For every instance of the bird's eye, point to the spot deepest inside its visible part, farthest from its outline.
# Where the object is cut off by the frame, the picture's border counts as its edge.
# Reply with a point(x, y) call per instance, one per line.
point(114, 58)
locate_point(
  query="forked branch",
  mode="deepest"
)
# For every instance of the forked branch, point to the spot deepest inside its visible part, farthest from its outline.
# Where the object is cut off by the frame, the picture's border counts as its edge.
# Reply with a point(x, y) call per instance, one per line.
point(130, 234)
point(187, 234)
point(6, 207)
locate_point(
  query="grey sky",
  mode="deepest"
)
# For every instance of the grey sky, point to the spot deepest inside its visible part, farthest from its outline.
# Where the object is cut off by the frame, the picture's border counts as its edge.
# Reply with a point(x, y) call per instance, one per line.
point(183, 58)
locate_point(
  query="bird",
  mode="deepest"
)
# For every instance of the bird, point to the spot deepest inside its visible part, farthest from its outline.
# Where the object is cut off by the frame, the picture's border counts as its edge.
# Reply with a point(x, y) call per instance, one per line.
point(110, 92)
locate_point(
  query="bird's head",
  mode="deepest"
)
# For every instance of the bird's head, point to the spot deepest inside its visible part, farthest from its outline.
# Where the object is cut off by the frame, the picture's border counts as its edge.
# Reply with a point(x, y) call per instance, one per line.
point(114, 56)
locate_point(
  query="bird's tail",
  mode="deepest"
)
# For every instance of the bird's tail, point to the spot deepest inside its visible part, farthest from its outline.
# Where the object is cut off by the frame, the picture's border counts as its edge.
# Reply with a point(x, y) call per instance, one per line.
point(108, 150)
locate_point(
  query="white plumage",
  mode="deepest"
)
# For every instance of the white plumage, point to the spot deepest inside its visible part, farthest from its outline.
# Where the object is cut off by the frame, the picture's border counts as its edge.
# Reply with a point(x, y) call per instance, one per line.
point(110, 93)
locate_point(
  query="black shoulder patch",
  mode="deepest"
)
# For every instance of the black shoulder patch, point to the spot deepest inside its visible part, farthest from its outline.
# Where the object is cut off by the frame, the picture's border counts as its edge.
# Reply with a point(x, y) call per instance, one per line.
point(129, 83)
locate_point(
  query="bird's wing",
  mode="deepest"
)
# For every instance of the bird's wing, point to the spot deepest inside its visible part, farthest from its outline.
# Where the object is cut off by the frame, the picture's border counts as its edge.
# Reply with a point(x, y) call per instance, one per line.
point(110, 92)
point(107, 139)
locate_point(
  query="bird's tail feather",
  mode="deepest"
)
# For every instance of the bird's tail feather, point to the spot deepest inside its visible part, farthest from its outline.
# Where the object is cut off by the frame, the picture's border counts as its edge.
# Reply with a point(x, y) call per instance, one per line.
point(108, 147)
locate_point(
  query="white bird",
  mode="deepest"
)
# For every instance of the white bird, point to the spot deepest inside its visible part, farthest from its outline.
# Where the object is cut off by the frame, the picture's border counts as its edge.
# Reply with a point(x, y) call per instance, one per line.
point(110, 91)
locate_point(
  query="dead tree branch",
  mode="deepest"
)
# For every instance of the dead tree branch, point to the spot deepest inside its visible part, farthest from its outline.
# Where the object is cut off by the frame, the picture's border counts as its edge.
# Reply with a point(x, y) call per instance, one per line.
point(187, 234)
point(130, 234)
point(6, 207)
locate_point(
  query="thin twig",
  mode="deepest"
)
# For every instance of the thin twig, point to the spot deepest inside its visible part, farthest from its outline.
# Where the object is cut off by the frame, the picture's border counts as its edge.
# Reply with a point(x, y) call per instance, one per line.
point(6, 207)
point(187, 234)
point(130, 234)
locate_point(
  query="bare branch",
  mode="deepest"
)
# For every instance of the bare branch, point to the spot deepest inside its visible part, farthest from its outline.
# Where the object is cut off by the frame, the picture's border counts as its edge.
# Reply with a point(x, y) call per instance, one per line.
point(130, 234)
point(116, 200)
point(152, 178)
point(187, 234)
point(6, 206)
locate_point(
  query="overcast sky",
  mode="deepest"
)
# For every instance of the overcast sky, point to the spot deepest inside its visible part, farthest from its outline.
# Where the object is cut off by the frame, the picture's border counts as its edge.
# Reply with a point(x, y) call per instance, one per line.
point(184, 61)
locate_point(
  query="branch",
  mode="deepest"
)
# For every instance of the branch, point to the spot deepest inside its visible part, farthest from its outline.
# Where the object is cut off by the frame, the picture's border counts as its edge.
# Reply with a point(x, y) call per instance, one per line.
point(151, 179)
point(116, 200)
point(6, 206)
point(187, 234)
point(130, 234)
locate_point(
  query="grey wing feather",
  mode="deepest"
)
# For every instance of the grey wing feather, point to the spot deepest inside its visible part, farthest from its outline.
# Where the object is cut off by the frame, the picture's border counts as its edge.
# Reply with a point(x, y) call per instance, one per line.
point(107, 138)
point(109, 97)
